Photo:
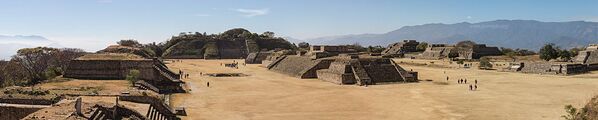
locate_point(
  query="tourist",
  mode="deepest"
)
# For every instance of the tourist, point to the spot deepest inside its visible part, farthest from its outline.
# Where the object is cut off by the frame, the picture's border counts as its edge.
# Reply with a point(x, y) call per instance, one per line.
point(209, 84)
point(447, 78)
point(470, 87)
point(465, 81)
point(476, 81)
point(475, 87)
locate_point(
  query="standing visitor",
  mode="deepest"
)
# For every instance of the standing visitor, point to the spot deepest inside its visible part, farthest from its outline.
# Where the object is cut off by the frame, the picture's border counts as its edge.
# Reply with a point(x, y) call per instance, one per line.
point(470, 87)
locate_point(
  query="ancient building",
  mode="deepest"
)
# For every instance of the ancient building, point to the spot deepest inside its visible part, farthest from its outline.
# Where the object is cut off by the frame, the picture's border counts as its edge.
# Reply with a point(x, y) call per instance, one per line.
point(232, 44)
point(461, 50)
point(321, 51)
point(257, 57)
point(117, 66)
point(471, 50)
point(585, 61)
point(554, 68)
point(588, 56)
point(361, 71)
point(343, 69)
point(400, 48)
point(437, 51)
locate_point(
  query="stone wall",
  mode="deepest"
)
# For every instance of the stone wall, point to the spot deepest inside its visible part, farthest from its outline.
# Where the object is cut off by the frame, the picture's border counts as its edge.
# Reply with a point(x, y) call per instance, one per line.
point(299, 66)
point(28, 101)
point(257, 58)
point(15, 113)
point(108, 69)
point(548, 68)
point(396, 49)
point(151, 71)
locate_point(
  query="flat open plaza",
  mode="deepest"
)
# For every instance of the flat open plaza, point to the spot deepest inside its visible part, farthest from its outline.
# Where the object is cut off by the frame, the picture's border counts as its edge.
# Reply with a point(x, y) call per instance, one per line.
point(273, 96)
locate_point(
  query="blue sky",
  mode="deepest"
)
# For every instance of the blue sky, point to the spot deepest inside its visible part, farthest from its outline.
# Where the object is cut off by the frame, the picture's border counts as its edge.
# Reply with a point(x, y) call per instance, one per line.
point(93, 24)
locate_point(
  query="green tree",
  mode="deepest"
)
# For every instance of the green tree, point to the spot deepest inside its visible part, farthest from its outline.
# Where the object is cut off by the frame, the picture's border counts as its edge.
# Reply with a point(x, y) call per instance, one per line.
point(133, 76)
point(485, 63)
point(422, 46)
point(303, 45)
point(565, 55)
point(512, 55)
point(129, 42)
point(505, 51)
point(548, 52)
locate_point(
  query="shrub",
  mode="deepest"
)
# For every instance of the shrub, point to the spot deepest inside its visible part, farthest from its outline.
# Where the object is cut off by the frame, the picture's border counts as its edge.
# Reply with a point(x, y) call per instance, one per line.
point(133, 76)
point(485, 63)
point(573, 113)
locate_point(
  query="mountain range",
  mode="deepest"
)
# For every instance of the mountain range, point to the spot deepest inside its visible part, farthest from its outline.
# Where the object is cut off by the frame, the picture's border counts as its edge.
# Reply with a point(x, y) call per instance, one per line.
point(10, 44)
point(527, 34)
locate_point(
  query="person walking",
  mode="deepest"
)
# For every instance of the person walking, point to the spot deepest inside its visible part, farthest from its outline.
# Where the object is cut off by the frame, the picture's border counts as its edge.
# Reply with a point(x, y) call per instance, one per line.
point(470, 87)
point(476, 81)
point(209, 84)
point(465, 81)
point(475, 87)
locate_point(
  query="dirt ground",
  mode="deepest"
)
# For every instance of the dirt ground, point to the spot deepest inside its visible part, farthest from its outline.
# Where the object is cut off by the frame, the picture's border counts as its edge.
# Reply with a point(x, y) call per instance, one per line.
point(267, 95)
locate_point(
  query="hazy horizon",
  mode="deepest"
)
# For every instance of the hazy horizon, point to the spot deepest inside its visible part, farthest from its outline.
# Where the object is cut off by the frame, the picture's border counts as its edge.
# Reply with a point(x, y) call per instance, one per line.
point(94, 24)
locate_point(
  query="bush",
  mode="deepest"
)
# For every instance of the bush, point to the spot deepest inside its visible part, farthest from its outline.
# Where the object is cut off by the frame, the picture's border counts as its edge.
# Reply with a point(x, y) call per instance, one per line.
point(460, 62)
point(133, 76)
point(573, 113)
point(485, 63)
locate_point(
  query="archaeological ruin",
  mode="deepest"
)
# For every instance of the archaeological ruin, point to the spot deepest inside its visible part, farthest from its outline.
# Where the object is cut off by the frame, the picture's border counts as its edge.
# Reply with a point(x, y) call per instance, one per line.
point(232, 44)
point(257, 57)
point(400, 48)
point(341, 68)
point(585, 61)
point(462, 50)
point(112, 66)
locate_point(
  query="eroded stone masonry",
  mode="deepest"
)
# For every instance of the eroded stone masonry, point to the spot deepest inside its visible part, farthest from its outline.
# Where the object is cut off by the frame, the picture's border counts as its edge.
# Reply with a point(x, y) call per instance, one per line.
point(337, 64)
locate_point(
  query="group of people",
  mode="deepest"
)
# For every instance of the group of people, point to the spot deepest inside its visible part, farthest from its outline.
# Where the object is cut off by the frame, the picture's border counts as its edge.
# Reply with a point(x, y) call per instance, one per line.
point(183, 75)
point(471, 87)
point(235, 64)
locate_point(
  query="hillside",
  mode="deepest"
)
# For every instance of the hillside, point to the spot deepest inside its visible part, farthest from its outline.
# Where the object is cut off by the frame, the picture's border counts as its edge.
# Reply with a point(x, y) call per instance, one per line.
point(527, 34)
point(234, 43)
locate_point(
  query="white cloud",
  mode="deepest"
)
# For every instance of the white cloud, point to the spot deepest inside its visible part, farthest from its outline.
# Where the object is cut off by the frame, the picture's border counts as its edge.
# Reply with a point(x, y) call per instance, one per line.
point(253, 12)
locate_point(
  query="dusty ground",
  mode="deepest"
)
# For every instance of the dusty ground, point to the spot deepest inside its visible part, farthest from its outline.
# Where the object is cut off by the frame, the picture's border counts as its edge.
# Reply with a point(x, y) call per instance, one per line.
point(273, 96)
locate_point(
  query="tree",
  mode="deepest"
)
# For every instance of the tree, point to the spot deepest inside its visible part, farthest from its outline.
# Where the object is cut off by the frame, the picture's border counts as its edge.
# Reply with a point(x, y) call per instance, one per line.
point(565, 55)
point(452, 55)
point(268, 34)
point(485, 63)
point(421, 46)
point(375, 49)
point(133, 76)
point(303, 45)
point(574, 51)
point(511, 55)
point(505, 51)
point(357, 47)
point(35, 61)
point(548, 52)
point(129, 42)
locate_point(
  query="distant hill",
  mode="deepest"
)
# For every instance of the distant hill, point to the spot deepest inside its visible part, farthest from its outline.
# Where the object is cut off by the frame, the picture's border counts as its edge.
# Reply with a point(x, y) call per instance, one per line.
point(10, 44)
point(527, 34)
point(232, 44)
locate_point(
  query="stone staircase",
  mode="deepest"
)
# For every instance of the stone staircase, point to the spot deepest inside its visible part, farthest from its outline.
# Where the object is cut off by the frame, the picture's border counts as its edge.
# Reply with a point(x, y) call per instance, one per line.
point(361, 75)
point(274, 63)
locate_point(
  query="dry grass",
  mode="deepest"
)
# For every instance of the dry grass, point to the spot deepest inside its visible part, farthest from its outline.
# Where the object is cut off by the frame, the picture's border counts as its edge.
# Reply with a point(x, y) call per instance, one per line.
point(110, 56)
point(267, 95)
